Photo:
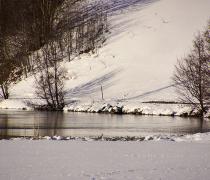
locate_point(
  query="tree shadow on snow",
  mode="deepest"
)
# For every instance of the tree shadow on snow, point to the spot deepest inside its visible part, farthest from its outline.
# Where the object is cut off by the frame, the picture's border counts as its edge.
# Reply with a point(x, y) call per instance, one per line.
point(116, 6)
point(148, 93)
point(93, 85)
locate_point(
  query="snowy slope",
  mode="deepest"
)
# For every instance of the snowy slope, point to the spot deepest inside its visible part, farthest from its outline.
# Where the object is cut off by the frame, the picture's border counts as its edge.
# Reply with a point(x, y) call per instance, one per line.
point(138, 58)
point(141, 57)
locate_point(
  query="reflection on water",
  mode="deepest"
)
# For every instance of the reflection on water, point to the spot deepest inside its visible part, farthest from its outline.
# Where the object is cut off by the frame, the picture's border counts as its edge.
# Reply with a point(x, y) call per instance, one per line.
point(30, 123)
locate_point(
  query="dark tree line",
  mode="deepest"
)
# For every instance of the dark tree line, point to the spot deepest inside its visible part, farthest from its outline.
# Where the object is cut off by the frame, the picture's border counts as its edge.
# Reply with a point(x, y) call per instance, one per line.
point(28, 25)
point(25, 26)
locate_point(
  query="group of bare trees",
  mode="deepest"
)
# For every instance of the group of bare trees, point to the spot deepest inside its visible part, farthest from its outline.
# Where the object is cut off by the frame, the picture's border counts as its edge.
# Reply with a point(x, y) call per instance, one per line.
point(192, 73)
point(60, 29)
point(24, 27)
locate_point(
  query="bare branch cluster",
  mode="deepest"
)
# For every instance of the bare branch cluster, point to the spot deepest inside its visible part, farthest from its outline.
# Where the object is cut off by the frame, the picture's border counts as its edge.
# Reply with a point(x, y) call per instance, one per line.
point(82, 27)
point(51, 75)
point(192, 73)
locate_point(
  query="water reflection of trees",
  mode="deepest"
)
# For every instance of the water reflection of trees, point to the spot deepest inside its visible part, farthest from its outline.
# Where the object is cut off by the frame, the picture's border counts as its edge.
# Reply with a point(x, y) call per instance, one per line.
point(49, 124)
point(204, 124)
point(4, 126)
point(39, 124)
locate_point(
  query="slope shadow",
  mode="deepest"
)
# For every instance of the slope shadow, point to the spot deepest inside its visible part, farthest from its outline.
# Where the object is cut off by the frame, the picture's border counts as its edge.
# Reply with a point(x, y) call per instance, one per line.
point(150, 92)
point(118, 7)
point(115, 6)
point(93, 85)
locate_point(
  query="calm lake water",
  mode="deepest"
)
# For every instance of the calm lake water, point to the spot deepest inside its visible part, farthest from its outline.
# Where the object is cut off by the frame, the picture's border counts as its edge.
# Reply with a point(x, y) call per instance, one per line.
point(33, 123)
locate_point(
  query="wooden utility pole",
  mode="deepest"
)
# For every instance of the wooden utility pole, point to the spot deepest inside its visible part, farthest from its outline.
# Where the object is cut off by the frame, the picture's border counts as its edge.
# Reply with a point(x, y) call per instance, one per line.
point(102, 93)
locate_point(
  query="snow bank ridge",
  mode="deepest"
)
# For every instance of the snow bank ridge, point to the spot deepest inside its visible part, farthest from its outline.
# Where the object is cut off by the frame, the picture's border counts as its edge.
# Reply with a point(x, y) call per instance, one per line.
point(199, 137)
point(134, 108)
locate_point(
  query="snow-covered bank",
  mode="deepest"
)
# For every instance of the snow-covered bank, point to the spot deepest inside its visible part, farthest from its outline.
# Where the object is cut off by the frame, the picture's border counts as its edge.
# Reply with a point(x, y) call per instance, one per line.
point(14, 104)
point(23, 160)
point(135, 107)
point(198, 137)
point(166, 109)
point(115, 107)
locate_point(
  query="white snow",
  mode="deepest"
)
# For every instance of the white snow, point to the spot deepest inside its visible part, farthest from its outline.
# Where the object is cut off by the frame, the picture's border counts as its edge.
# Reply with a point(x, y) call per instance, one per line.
point(188, 159)
point(135, 65)
point(132, 107)
point(137, 61)
point(13, 104)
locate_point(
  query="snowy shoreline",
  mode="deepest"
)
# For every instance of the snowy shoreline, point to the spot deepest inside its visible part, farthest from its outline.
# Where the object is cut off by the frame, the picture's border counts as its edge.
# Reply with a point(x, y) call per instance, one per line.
point(115, 107)
point(198, 137)
point(157, 109)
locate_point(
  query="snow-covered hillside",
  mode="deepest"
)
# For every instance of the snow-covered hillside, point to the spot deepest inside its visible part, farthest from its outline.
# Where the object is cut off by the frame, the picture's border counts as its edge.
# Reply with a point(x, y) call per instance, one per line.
point(137, 61)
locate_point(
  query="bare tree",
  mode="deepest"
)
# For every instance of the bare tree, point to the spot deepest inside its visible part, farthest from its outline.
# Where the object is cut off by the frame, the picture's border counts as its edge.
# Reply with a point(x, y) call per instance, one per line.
point(51, 76)
point(207, 48)
point(192, 77)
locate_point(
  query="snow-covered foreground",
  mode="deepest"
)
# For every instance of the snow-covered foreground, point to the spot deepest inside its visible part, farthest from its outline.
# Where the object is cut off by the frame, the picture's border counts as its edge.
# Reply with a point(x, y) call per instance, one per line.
point(78, 160)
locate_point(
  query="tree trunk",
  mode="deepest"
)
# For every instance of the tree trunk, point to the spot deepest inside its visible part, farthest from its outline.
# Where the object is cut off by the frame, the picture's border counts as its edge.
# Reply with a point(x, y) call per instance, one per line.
point(5, 92)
